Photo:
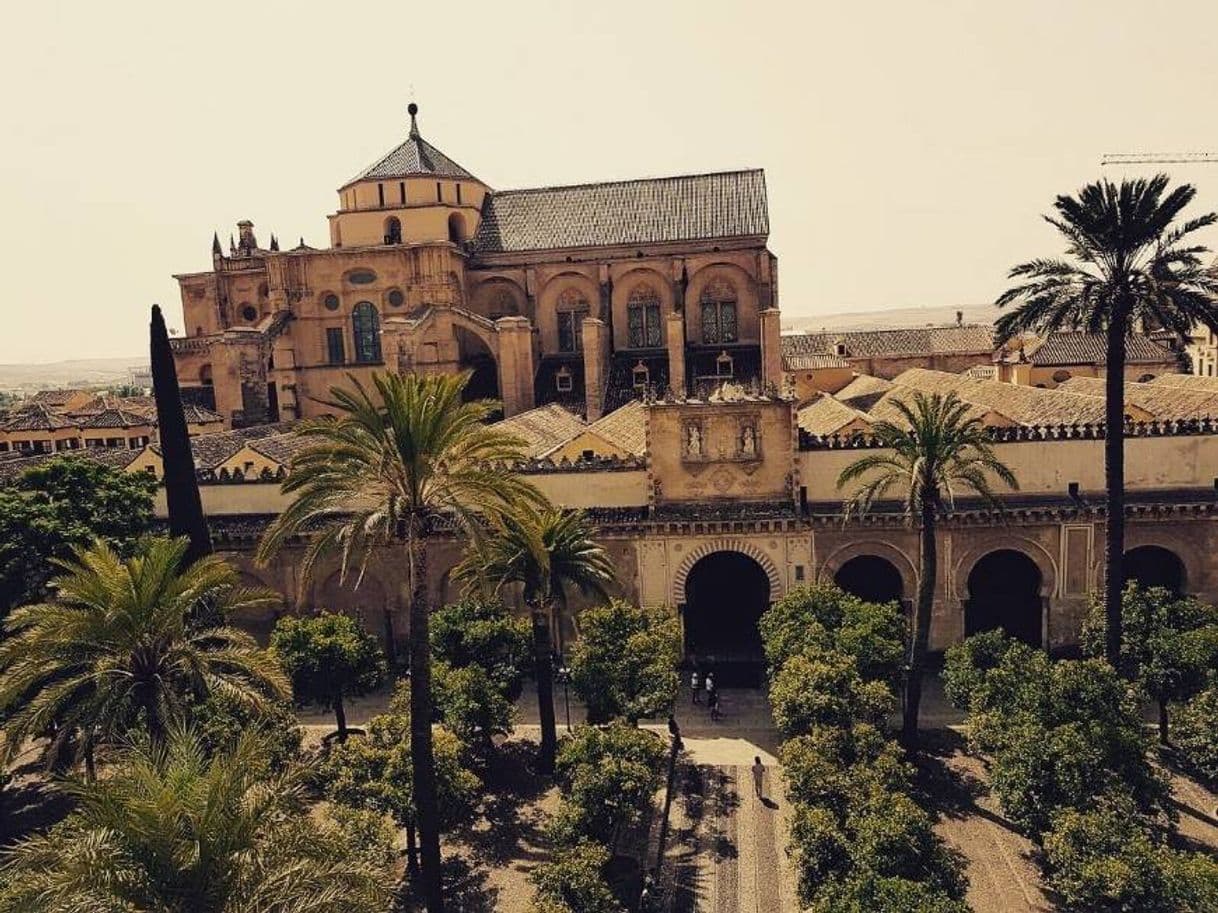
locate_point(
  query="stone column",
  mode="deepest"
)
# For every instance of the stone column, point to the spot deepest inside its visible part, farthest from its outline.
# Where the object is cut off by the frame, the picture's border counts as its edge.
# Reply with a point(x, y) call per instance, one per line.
point(676, 353)
point(596, 366)
point(515, 364)
point(771, 349)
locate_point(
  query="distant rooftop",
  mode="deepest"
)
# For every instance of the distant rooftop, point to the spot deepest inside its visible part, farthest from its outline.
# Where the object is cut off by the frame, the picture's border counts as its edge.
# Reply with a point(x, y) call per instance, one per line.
point(962, 339)
point(413, 158)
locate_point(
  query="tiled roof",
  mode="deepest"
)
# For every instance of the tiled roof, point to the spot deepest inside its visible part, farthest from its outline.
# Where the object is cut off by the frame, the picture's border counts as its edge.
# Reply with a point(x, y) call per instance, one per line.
point(1021, 404)
point(412, 158)
point(863, 392)
point(651, 210)
point(279, 447)
point(948, 340)
point(825, 415)
point(114, 457)
point(210, 450)
point(544, 428)
point(37, 417)
point(1091, 349)
point(199, 415)
point(1187, 381)
point(1163, 401)
point(813, 362)
point(625, 427)
point(116, 418)
point(53, 398)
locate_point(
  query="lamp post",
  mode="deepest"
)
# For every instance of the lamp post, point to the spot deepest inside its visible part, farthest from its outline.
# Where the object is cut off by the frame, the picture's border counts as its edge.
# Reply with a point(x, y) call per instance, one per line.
point(564, 676)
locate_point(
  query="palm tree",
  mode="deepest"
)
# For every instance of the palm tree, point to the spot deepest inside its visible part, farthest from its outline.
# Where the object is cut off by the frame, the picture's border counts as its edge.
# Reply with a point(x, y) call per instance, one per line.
point(125, 643)
point(171, 829)
point(1130, 266)
point(936, 450)
point(395, 460)
point(545, 550)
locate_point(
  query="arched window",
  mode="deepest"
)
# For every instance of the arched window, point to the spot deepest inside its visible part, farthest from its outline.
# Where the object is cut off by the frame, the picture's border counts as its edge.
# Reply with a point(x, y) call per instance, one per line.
point(501, 302)
point(572, 309)
point(393, 230)
point(366, 330)
point(643, 318)
point(456, 228)
point(719, 312)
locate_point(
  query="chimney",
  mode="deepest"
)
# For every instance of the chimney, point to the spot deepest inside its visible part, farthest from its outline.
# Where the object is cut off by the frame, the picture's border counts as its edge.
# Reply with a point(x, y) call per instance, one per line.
point(959, 318)
point(246, 241)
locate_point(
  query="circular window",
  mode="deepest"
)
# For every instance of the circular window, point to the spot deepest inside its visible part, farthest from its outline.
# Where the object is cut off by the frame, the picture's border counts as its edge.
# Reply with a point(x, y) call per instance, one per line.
point(249, 312)
point(1060, 377)
point(396, 298)
point(1146, 378)
point(331, 302)
point(361, 277)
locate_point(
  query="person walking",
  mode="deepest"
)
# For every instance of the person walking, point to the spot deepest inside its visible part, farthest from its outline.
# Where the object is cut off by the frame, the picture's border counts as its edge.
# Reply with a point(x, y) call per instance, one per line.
point(710, 683)
point(758, 775)
point(695, 687)
point(712, 701)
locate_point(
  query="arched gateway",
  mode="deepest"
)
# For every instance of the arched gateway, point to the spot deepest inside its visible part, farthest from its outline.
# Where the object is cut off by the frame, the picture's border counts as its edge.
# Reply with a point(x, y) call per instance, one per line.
point(722, 594)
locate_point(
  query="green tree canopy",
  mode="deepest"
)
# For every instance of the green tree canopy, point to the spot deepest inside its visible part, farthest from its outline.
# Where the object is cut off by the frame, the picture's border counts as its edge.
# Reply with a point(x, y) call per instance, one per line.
point(574, 882)
point(1169, 644)
point(220, 719)
point(484, 632)
point(625, 663)
point(824, 688)
point(470, 703)
point(1196, 733)
point(824, 617)
point(609, 775)
point(329, 658)
point(60, 505)
point(123, 645)
point(170, 829)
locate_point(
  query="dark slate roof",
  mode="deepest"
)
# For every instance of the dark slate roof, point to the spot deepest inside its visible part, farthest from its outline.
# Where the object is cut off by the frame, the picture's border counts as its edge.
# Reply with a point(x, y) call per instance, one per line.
point(412, 158)
point(968, 339)
point(730, 204)
point(1091, 349)
point(116, 418)
point(199, 415)
point(37, 418)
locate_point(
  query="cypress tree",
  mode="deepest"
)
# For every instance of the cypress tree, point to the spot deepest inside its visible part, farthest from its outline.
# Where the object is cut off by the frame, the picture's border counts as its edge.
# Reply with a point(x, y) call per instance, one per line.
point(181, 486)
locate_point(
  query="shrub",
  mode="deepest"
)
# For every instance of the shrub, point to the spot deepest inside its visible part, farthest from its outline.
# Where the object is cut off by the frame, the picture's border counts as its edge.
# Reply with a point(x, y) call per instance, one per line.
point(1104, 861)
point(1196, 733)
point(873, 894)
point(834, 767)
point(625, 663)
point(329, 658)
point(824, 688)
point(483, 632)
point(220, 719)
point(470, 703)
point(966, 664)
point(573, 882)
point(824, 617)
point(609, 776)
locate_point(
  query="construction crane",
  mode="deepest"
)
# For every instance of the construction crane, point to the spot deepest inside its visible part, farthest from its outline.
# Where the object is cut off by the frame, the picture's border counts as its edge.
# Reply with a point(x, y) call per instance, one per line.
point(1158, 158)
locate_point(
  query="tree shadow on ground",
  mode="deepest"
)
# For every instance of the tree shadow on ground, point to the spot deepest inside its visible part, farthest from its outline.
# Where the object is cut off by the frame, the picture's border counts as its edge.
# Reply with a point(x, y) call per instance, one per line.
point(508, 829)
point(30, 804)
point(945, 789)
point(465, 889)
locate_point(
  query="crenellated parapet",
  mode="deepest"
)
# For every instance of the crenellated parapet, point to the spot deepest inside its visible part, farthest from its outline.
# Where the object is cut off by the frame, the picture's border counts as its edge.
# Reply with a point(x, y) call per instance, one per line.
point(1086, 431)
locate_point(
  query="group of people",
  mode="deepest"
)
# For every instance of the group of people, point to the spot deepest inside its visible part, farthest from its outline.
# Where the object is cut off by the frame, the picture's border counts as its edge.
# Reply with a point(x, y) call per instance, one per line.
point(698, 685)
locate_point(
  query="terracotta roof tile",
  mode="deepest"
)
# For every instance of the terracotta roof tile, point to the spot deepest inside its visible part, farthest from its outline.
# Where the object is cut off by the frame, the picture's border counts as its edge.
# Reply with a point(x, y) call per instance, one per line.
point(1163, 401)
point(825, 416)
point(947, 340)
point(1187, 381)
point(38, 417)
point(625, 427)
point(1021, 404)
point(863, 392)
point(1091, 349)
point(544, 428)
point(651, 210)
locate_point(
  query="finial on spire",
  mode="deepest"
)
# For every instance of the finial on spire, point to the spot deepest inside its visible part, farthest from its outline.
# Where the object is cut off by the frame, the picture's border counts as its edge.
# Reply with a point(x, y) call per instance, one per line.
point(216, 250)
point(412, 109)
point(274, 242)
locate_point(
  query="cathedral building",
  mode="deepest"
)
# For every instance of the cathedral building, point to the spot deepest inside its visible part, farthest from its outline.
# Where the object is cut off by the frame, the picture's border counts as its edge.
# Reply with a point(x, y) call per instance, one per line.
point(581, 295)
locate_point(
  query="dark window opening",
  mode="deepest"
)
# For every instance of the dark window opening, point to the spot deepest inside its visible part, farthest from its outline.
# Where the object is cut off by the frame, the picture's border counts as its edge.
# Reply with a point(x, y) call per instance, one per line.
point(335, 352)
point(380, 194)
point(1004, 593)
point(643, 319)
point(458, 186)
point(366, 332)
point(393, 230)
point(439, 192)
point(1153, 565)
point(870, 578)
point(726, 594)
point(570, 334)
point(402, 191)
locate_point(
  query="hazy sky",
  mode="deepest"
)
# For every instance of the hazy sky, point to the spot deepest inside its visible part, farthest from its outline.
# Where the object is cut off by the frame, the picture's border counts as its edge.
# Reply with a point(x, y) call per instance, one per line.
point(909, 147)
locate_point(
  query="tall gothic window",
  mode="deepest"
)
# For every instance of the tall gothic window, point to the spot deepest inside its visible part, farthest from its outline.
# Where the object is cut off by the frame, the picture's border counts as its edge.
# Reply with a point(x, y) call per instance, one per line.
point(572, 309)
point(643, 318)
point(366, 330)
point(719, 313)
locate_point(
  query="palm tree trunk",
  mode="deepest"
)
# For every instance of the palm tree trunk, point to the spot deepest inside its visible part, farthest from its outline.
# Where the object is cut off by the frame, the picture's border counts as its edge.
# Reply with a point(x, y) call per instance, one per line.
point(412, 849)
point(340, 716)
point(91, 763)
point(1114, 482)
point(922, 615)
point(545, 689)
point(421, 755)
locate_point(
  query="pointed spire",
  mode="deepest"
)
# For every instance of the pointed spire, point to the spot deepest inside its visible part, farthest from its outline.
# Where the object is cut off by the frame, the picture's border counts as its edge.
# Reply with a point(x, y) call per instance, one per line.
point(216, 250)
point(274, 243)
point(232, 247)
point(412, 109)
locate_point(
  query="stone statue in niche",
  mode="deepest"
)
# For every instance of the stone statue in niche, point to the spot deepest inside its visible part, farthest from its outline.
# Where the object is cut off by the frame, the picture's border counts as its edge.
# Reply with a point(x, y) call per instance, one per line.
point(693, 441)
point(748, 441)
